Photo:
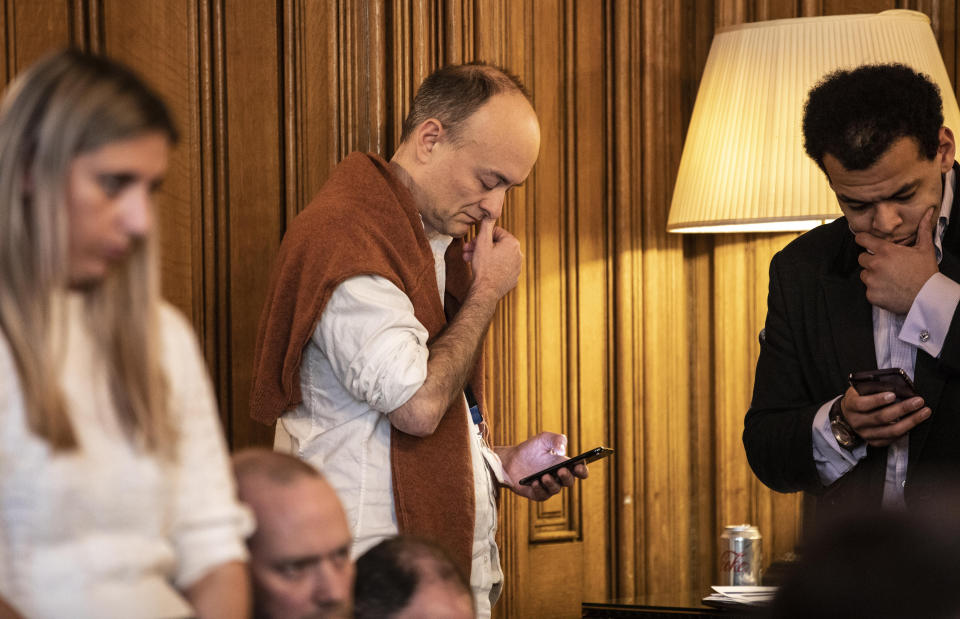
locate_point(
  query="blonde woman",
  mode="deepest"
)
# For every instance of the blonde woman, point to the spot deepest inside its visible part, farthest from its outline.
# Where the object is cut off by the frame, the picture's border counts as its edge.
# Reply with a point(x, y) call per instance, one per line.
point(116, 498)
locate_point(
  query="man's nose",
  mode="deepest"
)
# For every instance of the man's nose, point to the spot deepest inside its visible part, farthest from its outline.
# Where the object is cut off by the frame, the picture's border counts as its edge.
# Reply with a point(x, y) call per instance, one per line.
point(138, 213)
point(886, 217)
point(331, 585)
point(492, 206)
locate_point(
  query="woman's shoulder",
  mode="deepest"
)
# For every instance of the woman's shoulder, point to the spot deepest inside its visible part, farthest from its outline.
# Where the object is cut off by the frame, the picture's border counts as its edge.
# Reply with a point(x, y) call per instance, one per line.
point(186, 371)
point(179, 347)
point(175, 329)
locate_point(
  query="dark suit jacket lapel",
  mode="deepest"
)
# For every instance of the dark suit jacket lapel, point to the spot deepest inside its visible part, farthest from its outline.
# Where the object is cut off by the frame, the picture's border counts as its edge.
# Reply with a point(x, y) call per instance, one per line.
point(849, 314)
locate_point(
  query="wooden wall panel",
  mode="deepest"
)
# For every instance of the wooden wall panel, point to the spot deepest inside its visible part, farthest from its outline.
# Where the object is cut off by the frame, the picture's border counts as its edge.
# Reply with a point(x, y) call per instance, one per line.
point(210, 211)
point(35, 28)
point(627, 263)
point(251, 221)
point(665, 457)
point(591, 327)
point(361, 59)
point(698, 260)
point(565, 342)
point(618, 332)
point(310, 127)
point(546, 252)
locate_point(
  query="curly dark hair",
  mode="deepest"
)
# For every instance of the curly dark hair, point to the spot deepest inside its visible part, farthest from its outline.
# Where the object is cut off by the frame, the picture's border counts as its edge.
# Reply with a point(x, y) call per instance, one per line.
point(857, 115)
point(389, 574)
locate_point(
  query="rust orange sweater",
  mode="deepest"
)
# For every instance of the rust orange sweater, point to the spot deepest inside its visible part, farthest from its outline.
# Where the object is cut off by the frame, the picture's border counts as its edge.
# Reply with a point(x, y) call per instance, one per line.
point(365, 222)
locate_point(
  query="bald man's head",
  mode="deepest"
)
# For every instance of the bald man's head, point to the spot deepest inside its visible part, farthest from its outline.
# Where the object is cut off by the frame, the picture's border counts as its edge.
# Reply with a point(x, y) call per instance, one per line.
point(300, 551)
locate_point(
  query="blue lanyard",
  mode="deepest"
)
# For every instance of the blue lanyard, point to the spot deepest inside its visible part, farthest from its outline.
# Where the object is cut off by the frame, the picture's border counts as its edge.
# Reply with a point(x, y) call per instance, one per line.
point(475, 413)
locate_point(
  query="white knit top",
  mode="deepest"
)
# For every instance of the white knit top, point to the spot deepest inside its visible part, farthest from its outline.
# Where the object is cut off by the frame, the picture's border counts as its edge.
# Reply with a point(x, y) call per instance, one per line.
point(108, 530)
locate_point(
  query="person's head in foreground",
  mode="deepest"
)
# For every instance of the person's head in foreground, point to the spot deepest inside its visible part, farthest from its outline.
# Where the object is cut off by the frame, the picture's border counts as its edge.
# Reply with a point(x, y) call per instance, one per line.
point(85, 146)
point(470, 136)
point(405, 578)
point(882, 565)
point(300, 552)
point(877, 132)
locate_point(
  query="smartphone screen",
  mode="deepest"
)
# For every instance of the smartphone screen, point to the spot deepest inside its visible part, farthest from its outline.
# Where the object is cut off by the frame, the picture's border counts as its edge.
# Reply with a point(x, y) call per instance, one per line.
point(588, 456)
point(894, 380)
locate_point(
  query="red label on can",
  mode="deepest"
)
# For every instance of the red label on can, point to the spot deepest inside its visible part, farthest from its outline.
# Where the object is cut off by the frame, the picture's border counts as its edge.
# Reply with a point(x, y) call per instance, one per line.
point(733, 562)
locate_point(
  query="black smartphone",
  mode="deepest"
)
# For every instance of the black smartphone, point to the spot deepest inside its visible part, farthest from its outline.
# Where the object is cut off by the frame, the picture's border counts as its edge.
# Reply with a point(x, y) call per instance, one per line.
point(588, 456)
point(887, 379)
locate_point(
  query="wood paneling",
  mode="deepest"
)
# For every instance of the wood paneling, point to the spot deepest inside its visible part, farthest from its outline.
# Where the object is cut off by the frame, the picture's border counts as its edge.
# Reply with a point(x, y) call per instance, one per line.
point(617, 333)
point(34, 28)
point(626, 262)
point(250, 217)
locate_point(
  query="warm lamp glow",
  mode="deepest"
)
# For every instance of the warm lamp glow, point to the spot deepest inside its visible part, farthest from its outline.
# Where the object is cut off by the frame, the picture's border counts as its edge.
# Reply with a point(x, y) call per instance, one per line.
point(799, 225)
point(743, 166)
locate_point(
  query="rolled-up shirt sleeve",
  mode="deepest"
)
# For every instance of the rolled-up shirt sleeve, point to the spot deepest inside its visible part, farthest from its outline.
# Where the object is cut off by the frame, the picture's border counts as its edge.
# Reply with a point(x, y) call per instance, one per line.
point(930, 315)
point(832, 460)
point(375, 345)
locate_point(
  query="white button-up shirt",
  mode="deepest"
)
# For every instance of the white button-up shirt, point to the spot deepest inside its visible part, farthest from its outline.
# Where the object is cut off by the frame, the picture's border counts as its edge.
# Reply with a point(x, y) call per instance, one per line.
point(896, 340)
point(367, 357)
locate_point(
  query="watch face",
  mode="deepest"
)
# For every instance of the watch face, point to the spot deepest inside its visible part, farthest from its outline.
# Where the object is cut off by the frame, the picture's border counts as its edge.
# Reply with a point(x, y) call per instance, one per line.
point(840, 433)
point(843, 434)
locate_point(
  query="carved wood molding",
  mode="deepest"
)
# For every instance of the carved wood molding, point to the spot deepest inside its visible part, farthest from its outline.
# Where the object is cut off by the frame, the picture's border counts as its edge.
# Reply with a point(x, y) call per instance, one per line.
point(211, 220)
point(551, 268)
point(625, 175)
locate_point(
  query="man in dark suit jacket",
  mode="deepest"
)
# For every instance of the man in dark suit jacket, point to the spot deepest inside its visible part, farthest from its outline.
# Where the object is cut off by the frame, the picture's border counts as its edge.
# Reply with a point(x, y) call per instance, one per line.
point(876, 288)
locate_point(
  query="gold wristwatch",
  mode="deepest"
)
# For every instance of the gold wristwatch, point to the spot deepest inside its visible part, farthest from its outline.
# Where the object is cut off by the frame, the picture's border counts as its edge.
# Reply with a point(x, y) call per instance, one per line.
point(845, 435)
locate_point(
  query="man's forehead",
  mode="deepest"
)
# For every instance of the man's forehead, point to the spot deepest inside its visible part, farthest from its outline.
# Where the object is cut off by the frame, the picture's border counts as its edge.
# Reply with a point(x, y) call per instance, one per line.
point(507, 151)
point(304, 512)
point(302, 553)
point(299, 539)
point(882, 190)
point(502, 175)
point(896, 171)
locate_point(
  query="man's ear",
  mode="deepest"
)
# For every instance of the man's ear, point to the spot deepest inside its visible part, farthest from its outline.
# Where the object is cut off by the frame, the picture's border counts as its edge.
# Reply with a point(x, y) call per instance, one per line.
point(946, 149)
point(427, 136)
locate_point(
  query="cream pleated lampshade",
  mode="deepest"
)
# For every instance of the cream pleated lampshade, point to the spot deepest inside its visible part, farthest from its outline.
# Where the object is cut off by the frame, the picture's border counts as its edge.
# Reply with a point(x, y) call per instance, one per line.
point(743, 166)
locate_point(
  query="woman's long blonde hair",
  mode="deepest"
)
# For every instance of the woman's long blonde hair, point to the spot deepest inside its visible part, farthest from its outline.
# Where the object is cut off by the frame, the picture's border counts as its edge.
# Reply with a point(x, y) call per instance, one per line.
point(65, 105)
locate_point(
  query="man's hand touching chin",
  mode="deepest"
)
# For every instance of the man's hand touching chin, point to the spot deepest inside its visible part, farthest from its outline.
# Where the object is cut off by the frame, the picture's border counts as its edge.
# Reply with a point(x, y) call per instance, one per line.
point(535, 454)
point(894, 274)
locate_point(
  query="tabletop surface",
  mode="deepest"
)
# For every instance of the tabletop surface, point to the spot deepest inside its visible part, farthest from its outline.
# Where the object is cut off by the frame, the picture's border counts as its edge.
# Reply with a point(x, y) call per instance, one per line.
point(677, 603)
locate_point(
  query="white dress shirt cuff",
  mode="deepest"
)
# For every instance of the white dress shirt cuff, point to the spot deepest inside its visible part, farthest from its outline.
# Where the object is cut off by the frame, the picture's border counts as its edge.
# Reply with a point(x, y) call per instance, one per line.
point(930, 315)
point(832, 460)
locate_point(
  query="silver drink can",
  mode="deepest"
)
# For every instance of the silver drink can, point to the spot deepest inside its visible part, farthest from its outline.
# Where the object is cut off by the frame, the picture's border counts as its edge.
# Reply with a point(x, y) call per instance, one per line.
point(741, 554)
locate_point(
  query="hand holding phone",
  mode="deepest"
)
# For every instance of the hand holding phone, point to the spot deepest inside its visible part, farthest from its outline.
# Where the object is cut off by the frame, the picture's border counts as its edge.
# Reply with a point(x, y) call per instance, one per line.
point(893, 380)
point(586, 457)
point(882, 405)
